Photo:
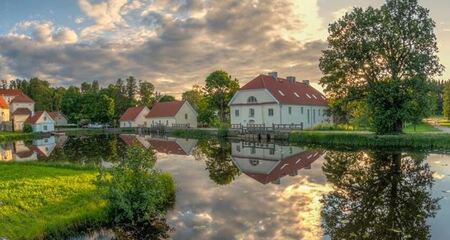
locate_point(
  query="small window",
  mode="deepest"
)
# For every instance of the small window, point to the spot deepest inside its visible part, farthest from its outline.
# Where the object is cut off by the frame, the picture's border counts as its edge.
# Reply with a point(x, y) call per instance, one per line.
point(185, 116)
point(238, 148)
point(301, 110)
point(270, 111)
point(167, 122)
point(45, 118)
point(252, 99)
point(280, 92)
point(290, 110)
point(236, 112)
point(272, 151)
point(314, 96)
point(253, 150)
point(251, 112)
point(45, 127)
point(323, 97)
point(296, 94)
point(308, 96)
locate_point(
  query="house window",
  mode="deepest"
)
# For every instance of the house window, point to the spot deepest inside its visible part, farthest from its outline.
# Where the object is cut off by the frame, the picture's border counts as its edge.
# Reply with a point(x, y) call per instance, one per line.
point(167, 122)
point(185, 116)
point(296, 94)
point(270, 111)
point(45, 118)
point(253, 151)
point(236, 112)
point(252, 99)
point(272, 151)
point(301, 110)
point(238, 148)
point(251, 112)
point(309, 115)
point(314, 115)
point(45, 127)
point(290, 110)
point(281, 93)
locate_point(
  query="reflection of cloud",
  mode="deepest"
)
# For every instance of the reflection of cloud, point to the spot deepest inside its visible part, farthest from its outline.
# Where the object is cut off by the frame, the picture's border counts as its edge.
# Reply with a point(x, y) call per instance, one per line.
point(438, 176)
point(304, 199)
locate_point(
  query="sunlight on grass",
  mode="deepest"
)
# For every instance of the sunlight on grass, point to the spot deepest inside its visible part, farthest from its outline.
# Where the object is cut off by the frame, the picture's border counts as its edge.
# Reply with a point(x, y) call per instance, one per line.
point(419, 128)
point(37, 200)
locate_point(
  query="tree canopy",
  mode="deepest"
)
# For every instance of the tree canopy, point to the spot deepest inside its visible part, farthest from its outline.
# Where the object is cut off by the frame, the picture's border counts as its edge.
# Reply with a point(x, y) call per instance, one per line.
point(384, 56)
point(220, 88)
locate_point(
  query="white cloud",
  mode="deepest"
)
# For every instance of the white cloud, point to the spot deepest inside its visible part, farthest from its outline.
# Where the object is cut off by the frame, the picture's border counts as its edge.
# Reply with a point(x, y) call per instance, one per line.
point(45, 32)
point(79, 20)
point(106, 15)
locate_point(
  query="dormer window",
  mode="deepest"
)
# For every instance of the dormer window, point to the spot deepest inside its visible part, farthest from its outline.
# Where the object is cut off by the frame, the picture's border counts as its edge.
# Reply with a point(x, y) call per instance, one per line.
point(281, 93)
point(252, 99)
point(314, 96)
point(308, 96)
point(296, 94)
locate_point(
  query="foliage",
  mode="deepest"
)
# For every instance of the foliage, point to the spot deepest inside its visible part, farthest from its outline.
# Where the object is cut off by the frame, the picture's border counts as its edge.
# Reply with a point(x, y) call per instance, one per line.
point(218, 160)
point(385, 57)
point(378, 196)
point(220, 88)
point(10, 136)
point(146, 93)
point(419, 128)
point(167, 98)
point(27, 128)
point(364, 139)
point(446, 101)
point(39, 200)
point(135, 192)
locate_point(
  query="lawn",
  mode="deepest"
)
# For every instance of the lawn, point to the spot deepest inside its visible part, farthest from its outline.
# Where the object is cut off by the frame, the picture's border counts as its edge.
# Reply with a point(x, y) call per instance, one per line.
point(9, 136)
point(37, 200)
point(419, 128)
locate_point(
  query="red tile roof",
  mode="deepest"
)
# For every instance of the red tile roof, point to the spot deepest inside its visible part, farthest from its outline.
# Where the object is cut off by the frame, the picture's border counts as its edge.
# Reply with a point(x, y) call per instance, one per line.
point(296, 93)
point(130, 140)
point(33, 119)
point(56, 115)
point(287, 166)
point(18, 95)
point(22, 111)
point(131, 113)
point(3, 103)
point(165, 109)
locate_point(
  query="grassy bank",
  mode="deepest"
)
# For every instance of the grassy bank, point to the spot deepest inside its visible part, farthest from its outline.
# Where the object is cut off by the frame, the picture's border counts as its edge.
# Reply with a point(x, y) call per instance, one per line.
point(38, 200)
point(366, 139)
point(11, 136)
point(198, 133)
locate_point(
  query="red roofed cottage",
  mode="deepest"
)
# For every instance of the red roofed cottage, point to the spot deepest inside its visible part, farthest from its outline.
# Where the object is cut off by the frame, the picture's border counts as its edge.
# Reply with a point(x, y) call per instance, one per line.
point(172, 113)
point(268, 100)
point(134, 117)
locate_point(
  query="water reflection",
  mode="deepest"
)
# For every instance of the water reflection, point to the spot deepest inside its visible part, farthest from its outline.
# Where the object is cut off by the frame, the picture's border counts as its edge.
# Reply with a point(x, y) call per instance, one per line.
point(224, 190)
point(378, 195)
point(269, 162)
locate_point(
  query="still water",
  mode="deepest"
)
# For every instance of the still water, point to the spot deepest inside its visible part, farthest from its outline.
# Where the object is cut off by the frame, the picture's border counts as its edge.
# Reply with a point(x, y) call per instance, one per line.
point(248, 190)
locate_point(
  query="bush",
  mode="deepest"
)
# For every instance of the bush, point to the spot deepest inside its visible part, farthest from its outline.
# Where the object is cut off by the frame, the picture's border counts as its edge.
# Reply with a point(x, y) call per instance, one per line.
point(27, 128)
point(136, 192)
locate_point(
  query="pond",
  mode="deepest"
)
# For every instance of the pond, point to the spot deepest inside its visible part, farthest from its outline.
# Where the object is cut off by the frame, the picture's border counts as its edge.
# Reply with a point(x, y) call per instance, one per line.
point(251, 190)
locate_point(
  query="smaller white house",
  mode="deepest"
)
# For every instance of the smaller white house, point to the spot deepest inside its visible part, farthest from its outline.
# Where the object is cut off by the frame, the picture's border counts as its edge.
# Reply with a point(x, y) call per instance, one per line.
point(41, 122)
point(175, 113)
point(134, 117)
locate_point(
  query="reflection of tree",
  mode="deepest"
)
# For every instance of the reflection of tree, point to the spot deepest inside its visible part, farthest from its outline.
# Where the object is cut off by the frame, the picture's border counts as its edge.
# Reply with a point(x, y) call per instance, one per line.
point(218, 160)
point(378, 196)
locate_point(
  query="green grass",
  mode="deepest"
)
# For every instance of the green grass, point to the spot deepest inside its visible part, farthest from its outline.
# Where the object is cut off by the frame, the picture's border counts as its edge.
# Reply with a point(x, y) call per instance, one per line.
point(38, 200)
point(195, 133)
point(10, 136)
point(366, 139)
point(419, 128)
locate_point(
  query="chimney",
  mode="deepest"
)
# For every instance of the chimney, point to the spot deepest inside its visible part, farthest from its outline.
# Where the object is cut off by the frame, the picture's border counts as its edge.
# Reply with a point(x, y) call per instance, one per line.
point(306, 82)
point(274, 74)
point(291, 79)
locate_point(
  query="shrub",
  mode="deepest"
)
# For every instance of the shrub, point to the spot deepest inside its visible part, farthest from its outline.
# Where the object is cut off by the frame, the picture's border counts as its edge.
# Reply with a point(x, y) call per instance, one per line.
point(27, 128)
point(136, 192)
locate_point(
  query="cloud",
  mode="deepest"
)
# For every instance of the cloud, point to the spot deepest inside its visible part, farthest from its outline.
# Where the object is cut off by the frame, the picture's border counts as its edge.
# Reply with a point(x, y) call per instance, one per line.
point(106, 15)
point(174, 44)
point(45, 32)
point(79, 20)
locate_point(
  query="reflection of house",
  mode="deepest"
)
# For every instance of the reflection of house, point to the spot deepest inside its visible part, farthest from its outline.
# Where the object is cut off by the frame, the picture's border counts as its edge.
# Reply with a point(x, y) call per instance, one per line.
point(23, 153)
point(269, 162)
point(6, 153)
point(60, 119)
point(134, 117)
point(175, 146)
point(44, 147)
point(41, 122)
point(61, 140)
point(268, 100)
point(4, 110)
point(172, 113)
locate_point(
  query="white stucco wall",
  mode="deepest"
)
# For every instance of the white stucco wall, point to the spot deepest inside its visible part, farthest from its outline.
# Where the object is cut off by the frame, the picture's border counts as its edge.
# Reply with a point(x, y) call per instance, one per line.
point(186, 115)
point(44, 124)
point(281, 113)
point(140, 120)
point(14, 106)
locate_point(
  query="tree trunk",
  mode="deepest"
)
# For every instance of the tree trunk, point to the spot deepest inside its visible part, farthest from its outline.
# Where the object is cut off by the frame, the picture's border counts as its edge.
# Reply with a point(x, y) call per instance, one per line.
point(398, 126)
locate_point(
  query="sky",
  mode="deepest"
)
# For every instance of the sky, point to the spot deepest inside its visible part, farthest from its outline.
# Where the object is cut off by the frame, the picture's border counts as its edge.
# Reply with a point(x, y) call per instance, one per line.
point(175, 43)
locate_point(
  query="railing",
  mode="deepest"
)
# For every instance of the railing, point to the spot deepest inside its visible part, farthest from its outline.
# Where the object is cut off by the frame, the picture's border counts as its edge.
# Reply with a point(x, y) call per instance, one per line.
point(287, 126)
point(180, 125)
point(236, 126)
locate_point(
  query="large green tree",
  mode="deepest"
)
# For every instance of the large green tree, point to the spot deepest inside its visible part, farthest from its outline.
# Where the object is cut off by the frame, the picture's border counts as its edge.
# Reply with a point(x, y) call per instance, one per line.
point(199, 100)
point(384, 56)
point(446, 100)
point(146, 93)
point(220, 88)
